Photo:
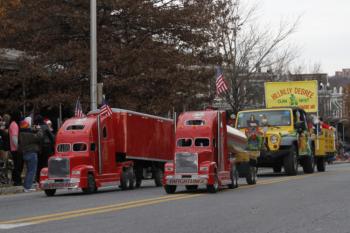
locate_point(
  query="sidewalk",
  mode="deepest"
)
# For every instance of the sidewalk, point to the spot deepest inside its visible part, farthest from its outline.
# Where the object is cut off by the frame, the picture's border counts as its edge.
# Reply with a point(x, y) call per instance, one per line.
point(6, 189)
point(9, 189)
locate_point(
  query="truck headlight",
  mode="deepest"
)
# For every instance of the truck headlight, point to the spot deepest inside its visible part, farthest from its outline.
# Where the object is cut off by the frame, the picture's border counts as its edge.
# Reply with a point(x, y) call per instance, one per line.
point(204, 169)
point(274, 139)
point(76, 172)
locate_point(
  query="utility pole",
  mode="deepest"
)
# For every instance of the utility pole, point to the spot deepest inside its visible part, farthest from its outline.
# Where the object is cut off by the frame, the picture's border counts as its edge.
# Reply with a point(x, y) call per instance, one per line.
point(93, 55)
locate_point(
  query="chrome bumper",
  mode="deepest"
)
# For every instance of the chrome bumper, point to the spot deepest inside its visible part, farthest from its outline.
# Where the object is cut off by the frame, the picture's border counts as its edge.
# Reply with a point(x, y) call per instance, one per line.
point(186, 180)
point(59, 183)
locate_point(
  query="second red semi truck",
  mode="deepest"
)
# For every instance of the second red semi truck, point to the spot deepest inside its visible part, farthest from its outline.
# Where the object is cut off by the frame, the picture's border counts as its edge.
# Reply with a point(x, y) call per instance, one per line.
point(204, 153)
point(119, 150)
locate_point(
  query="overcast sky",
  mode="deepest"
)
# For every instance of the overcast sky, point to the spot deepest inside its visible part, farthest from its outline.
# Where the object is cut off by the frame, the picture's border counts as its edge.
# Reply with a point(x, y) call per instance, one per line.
point(323, 34)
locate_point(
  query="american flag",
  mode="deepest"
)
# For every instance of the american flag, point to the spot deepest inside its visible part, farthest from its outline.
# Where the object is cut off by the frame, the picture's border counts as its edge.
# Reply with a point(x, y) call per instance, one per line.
point(105, 109)
point(221, 86)
point(78, 112)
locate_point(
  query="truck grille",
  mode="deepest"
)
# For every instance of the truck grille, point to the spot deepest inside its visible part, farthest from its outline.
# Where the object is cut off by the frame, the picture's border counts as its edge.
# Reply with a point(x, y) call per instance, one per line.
point(58, 168)
point(186, 163)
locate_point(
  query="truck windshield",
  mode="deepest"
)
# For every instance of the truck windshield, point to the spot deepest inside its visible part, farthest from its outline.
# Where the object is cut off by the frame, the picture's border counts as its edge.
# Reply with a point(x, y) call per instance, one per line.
point(264, 118)
point(63, 147)
point(195, 122)
point(201, 142)
point(184, 142)
point(79, 147)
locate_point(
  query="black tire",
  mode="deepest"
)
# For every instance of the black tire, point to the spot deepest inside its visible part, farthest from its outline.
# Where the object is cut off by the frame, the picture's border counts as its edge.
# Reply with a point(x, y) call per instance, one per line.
point(124, 182)
point(321, 164)
point(91, 186)
point(131, 176)
point(308, 164)
point(158, 177)
point(191, 187)
point(127, 179)
point(170, 189)
point(277, 168)
point(138, 177)
point(234, 178)
point(50, 192)
point(213, 188)
point(252, 175)
point(290, 162)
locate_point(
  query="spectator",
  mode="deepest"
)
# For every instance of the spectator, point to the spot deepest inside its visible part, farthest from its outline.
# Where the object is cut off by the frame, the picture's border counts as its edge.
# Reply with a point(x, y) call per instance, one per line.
point(30, 140)
point(16, 156)
point(47, 145)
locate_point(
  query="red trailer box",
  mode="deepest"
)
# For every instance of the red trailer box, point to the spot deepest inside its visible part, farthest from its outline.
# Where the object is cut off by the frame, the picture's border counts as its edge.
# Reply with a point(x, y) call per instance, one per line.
point(202, 153)
point(96, 151)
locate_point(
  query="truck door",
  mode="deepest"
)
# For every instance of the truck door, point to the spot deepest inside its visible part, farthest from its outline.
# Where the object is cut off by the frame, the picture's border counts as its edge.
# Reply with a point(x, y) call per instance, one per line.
point(107, 145)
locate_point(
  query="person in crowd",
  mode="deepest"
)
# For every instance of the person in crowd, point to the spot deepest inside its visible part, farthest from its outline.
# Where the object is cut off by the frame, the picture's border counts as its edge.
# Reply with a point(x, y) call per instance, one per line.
point(47, 144)
point(30, 140)
point(16, 156)
point(49, 124)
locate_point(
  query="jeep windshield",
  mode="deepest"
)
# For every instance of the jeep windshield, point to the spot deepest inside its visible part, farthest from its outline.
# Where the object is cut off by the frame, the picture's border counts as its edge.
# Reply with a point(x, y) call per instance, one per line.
point(265, 118)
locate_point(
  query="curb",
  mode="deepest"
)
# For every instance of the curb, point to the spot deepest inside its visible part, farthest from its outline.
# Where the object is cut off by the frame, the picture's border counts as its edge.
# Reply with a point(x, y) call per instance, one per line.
point(10, 189)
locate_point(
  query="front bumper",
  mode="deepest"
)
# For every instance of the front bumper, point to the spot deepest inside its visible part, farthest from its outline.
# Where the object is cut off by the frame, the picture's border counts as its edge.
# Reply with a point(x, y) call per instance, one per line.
point(186, 179)
point(60, 183)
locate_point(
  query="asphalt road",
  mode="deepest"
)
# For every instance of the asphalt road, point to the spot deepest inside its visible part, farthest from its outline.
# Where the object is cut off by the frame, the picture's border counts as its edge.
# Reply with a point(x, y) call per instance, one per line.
point(319, 202)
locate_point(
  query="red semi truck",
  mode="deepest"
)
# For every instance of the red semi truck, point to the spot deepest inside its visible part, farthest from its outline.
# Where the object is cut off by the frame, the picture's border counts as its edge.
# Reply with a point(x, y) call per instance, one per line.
point(204, 153)
point(96, 151)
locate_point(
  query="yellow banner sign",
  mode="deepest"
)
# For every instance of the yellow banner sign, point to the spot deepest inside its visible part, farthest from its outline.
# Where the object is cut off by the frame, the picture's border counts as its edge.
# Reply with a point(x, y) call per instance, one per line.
point(302, 94)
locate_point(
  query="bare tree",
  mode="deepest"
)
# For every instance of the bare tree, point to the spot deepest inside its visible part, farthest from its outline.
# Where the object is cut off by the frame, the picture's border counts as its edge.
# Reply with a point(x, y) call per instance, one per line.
point(246, 50)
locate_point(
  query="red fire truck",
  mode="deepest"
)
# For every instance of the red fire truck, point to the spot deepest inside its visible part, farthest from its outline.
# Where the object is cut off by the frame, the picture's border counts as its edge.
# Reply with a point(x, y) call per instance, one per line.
point(204, 153)
point(121, 149)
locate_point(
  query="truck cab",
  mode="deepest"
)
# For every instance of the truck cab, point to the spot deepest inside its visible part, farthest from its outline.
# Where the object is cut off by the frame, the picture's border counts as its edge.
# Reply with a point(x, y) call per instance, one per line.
point(76, 162)
point(201, 154)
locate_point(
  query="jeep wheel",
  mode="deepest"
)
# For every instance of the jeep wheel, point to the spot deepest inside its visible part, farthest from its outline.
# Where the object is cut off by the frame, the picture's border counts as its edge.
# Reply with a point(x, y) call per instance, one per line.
point(308, 164)
point(290, 162)
point(321, 164)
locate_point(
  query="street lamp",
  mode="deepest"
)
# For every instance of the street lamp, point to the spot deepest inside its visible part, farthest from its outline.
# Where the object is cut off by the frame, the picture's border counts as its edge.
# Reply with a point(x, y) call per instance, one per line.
point(93, 55)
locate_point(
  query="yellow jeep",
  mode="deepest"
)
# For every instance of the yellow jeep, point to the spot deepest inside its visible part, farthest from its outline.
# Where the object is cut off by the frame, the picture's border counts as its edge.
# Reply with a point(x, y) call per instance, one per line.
point(285, 138)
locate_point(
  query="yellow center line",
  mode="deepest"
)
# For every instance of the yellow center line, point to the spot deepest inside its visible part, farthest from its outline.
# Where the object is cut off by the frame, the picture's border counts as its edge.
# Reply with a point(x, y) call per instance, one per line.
point(29, 219)
point(133, 204)
point(115, 209)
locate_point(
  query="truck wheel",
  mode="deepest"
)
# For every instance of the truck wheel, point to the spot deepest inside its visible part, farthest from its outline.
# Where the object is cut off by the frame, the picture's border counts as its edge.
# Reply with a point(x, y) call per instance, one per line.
point(50, 192)
point(126, 179)
point(308, 164)
point(321, 164)
point(138, 177)
point(290, 162)
point(277, 169)
point(170, 189)
point(91, 185)
point(252, 174)
point(213, 188)
point(158, 176)
point(234, 178)
point(191, 187)
point(131, 177)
